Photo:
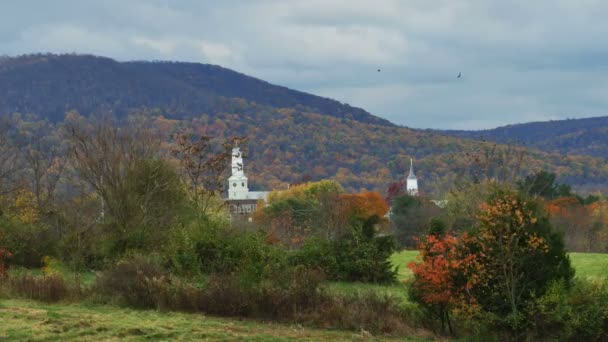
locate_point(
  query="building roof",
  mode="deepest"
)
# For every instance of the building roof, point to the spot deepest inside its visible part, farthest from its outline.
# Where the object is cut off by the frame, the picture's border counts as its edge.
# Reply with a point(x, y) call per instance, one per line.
point(258, 194)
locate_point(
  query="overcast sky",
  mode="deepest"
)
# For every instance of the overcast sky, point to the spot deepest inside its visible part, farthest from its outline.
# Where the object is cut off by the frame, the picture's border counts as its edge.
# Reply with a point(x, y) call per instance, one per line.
point(520, 60)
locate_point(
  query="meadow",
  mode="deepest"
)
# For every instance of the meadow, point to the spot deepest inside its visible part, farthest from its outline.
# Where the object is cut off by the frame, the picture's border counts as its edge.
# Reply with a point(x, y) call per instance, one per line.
point(23, 320)
point(591, 266)
point(35, 321)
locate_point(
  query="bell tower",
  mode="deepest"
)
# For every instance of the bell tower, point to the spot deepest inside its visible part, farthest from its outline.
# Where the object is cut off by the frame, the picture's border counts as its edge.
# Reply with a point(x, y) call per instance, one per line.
point(237, 187)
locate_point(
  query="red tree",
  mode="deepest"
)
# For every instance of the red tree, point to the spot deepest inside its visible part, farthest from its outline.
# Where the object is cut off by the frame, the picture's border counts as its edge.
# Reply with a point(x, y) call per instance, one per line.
point(443, 278)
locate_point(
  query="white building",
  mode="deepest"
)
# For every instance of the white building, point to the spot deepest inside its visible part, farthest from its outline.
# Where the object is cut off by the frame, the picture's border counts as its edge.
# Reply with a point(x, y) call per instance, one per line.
point(240, 199)
point(412, 181)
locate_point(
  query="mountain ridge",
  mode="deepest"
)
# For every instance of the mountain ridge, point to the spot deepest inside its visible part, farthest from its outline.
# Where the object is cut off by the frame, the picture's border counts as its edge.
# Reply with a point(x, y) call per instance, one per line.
point(584, 136)
point(292, 135)
point(185, 87)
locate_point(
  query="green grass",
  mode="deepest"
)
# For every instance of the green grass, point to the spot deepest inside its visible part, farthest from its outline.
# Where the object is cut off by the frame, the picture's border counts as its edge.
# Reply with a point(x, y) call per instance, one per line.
point(397, 290)
point(22, 320)
point(400, 260)
point(593, 266)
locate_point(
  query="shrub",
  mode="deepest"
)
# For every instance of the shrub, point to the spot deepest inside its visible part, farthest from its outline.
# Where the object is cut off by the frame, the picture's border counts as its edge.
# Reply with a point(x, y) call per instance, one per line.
point(372, 312)
point(204, 248)
point(359, 256)
point(579, 313)
point(132, 281)
point(51, 288)
point(29, 242)
point(5, 254)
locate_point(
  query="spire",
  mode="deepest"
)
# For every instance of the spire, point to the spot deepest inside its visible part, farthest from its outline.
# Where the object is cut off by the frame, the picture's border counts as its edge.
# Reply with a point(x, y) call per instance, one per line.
point(411, 175)
point(412, 182)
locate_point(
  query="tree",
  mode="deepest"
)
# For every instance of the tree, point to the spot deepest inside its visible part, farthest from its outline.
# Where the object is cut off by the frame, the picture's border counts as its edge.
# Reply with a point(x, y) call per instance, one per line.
point(519, 252)
point(409, 218)
point(120, 161)
point(305, 209)
point(493, 162)
point(543, 184)
point(443, 278)
point(9, 159)
point(45, 160)
point(204, 162)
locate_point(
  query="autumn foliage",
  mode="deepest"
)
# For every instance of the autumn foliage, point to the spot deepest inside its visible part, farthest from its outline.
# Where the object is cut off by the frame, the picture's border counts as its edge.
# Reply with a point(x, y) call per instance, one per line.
point(510, 256)
point(443, 278)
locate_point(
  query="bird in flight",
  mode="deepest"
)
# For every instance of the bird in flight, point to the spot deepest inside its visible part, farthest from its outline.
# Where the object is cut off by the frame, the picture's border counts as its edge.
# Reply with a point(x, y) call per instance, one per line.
point(459, 75)
point(378, 70)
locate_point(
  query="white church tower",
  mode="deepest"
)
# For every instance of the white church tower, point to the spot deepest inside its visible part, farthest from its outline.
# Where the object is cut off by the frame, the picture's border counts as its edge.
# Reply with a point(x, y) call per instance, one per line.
point(237, 189)
point(412, 181)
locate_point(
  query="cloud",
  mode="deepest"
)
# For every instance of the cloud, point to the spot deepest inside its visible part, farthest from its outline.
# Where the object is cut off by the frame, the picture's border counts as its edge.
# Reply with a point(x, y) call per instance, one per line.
point(520, 60)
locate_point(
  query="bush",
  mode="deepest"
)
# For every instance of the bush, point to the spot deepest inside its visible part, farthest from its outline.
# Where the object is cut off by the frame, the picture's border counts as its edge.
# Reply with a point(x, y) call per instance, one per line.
point(5, 254)
point(29, 242)
point(132, 282)
point(360, 256)
point(50, 288)
point(372, 312)
point(204, 248)
point(579, 313)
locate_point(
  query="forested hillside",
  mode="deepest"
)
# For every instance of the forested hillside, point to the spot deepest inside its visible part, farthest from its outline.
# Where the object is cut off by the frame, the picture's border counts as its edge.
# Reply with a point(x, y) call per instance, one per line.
point(50, 85)
point(291, 135)
point(574, 136)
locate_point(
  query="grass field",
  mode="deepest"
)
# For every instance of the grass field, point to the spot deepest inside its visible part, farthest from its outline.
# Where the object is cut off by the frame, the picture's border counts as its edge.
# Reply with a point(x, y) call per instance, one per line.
point(22, 320)
point(593, 266)
point(32, 321)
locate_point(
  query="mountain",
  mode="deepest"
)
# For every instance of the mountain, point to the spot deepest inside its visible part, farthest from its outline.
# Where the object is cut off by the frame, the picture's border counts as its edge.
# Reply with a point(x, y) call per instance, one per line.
point(292, 135)
point(587, 137)
point(53, 84)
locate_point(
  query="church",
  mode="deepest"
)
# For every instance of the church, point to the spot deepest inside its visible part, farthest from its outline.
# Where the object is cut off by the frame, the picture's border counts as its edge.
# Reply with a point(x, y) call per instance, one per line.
point(411, 185)
point(241, 201)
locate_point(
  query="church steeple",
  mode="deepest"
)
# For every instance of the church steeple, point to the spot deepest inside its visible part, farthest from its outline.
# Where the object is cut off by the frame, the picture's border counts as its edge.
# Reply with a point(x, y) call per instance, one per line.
point(411, 175)
point(237, 187)
point(412, 181)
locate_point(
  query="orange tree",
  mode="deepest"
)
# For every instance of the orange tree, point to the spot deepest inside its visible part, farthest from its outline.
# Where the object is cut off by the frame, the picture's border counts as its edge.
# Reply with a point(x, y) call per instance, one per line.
point(443, 278)
point(509, 257)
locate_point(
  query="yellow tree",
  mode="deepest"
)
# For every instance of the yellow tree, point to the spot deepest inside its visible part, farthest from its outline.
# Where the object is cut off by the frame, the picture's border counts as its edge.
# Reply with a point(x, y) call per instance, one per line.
point(519, 252)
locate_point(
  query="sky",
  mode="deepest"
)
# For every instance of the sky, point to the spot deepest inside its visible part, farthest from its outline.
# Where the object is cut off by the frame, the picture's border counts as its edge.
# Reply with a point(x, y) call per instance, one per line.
point(520, 61)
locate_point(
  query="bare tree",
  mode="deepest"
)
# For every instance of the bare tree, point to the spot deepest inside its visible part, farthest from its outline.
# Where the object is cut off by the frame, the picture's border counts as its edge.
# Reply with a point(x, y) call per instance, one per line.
point(497, 163)
point(204, 163)
point(44, 159)
point(10, 163)
point(105, 152)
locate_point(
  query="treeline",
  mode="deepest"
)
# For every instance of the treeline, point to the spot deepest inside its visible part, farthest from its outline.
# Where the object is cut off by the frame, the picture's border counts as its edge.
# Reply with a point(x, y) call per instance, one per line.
point(569, 137)
point(582, 220)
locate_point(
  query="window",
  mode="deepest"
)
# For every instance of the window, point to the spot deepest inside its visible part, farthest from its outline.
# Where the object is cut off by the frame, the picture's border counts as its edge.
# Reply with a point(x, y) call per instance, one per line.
point(234, 185)
point(242, 184)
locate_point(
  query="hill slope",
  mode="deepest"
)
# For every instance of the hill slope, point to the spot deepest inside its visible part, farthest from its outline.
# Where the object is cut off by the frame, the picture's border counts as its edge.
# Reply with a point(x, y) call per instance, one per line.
point(574, 136)
point(291, 134)
point(54, 84)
